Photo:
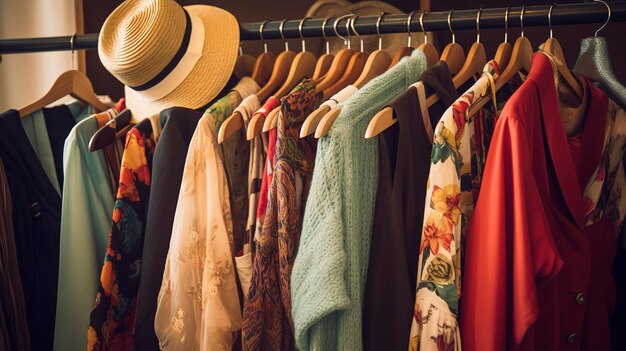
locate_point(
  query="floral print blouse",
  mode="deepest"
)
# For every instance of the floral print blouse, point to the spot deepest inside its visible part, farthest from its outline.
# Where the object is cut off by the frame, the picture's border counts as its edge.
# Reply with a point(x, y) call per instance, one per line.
point(112, 319)
point(458, 157)
point(267, 312)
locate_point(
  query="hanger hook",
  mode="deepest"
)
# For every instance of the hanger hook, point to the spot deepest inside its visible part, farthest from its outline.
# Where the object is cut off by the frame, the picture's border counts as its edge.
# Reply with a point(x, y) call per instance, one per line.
point(324, 36)
point(408, 27)
point(345, 42)
point(282, 34)
point(380, 37)
point(261, 35)
point(450, 26)
point(300, 30)
point(608, 18)
point(422, 26)
point(72, 39)
point(550, 18)
point(521, 19)
point(478, 24)
point(352, 20)
point(506, 24)
point(348, 30)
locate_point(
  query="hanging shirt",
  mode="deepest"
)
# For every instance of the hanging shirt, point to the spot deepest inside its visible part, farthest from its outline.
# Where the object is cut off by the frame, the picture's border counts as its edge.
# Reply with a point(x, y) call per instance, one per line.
point(198, 306)
point(27, 154)
point(256, 169)
point(243, 258)
point(267, 312)
point(236, 150)
point(14, 330)
point(404, 162)
point(85, 224)
point(167, 172)
point(47, 129)
point(458, 156)
point(112, 319)
point(329, 273)
point(545, 228)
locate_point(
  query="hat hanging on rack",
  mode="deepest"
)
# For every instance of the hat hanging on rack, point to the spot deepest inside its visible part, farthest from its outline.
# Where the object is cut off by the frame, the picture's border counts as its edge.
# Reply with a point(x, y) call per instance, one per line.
point(168, 55)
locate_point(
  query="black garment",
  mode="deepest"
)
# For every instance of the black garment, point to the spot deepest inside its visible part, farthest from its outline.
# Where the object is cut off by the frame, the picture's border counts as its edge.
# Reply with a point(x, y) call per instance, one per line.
point(167, 173)
point(618, 318)
point(404, 164)
point(37, 226)
point(59, 123)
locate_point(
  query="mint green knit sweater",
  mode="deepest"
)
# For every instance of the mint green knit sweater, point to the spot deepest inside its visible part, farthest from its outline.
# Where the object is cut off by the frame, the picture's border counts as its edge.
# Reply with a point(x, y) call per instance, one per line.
point(328, 278)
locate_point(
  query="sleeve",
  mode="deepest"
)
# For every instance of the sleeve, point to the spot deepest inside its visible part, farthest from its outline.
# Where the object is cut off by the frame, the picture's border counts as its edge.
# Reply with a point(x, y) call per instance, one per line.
point(509, 250)
point(318, 285)
point(198, 305)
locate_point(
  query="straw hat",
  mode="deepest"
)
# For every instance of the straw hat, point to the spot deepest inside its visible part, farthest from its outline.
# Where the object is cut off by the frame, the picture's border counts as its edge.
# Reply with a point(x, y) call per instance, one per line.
point(167, 55)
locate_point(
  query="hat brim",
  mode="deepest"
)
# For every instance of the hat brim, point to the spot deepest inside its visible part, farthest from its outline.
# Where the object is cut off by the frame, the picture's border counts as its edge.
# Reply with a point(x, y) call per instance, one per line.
point(209, 75)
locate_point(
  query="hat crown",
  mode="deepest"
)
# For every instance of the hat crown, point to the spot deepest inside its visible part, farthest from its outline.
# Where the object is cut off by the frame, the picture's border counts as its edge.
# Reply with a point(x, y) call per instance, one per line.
point(140, 38)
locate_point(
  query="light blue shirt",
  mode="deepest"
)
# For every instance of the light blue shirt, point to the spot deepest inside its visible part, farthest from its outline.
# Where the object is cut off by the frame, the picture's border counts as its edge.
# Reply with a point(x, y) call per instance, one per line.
point(85, 224)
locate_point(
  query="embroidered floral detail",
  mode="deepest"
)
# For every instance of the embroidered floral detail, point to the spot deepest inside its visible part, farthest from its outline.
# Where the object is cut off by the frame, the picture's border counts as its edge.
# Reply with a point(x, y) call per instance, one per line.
point(178, 322)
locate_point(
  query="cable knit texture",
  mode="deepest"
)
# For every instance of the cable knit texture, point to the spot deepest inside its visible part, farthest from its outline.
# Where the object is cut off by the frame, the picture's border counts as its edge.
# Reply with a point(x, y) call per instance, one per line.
point(329, 273)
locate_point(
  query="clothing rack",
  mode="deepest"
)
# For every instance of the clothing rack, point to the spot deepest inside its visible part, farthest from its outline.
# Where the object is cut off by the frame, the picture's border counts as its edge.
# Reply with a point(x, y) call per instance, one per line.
point(577, 13)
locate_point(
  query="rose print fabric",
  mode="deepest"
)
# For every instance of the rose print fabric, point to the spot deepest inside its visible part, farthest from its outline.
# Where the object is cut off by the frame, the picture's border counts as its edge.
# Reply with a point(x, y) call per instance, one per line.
point(458, 157)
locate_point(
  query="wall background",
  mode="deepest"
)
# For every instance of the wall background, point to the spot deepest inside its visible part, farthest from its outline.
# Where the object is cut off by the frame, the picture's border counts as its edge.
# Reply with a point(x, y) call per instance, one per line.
point(25, 78)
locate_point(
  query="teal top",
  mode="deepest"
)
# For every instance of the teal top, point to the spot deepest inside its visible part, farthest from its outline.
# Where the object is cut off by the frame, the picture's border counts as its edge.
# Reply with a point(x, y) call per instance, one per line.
point(85, 224)
point(35, 127)
point(328, 278)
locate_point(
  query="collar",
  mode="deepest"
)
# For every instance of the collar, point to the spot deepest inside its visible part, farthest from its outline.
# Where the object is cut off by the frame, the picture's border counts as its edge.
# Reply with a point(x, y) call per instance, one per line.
point(572, 188)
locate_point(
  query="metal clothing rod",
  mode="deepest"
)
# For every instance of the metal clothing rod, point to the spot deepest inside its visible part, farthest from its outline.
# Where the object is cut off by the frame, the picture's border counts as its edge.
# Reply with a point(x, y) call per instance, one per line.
point(577, 13)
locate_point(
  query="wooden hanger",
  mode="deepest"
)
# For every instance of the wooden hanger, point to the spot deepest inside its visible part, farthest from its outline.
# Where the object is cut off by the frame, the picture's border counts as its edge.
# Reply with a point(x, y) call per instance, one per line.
point(111, 131)
point(453, 53)
point(432, 56)
point(503, 53)
point(520, 58)
point(244, 64)
point(263, 67)
point(408, 49)
point(303, 67)
point(282, 69)
point(325, 60)
point(351, 74)
point(476, 60)
point(340, 62)
point(377, 63)
point(553, 47)
point(278, 74)
point(72, 83)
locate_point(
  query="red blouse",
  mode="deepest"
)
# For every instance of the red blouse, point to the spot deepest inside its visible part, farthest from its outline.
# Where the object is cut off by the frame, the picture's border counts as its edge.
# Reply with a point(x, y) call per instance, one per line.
point(541, 241)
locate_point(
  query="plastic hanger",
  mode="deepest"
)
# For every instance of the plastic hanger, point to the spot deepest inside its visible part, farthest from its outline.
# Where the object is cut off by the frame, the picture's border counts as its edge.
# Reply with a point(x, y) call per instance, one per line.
point(72, 82)
point(453, 53)
point(303, 67)
point(281, 70)
point(520, 58)
point(503, 53)
point(265, 64)
point(553, 47)
point(111, 131)
point(475, 61)
point(408, 49)
point(325, 60)
point(377, 63)
point(594, 63)
point(340, 62)
point(432, 56)
point(354, 69)
point(244, 64)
